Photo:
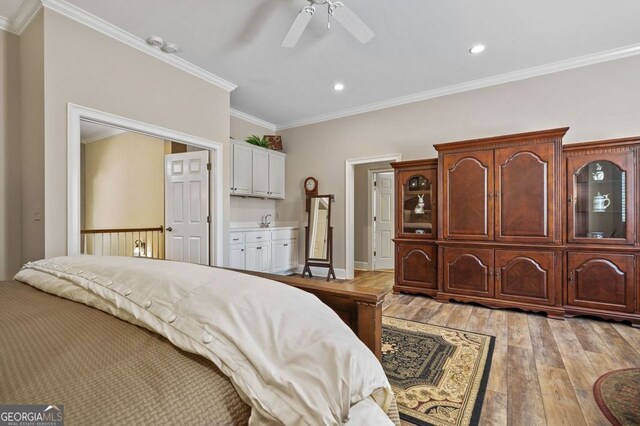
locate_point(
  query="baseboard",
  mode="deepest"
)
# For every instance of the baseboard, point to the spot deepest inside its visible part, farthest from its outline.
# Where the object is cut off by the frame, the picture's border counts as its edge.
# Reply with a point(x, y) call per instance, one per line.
point(341, 274)
point(361, 266)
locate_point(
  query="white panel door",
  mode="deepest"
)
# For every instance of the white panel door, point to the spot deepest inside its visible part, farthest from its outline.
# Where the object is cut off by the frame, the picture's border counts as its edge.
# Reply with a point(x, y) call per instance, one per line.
point(237, 258)
point(276, 176)
point(383, 212)
point(242, 170)
point(260, 173)
point(186, 199)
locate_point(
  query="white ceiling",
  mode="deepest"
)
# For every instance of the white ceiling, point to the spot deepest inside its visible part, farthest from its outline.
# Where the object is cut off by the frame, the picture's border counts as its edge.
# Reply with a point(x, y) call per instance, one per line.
point(91, 132)
point(419, 45)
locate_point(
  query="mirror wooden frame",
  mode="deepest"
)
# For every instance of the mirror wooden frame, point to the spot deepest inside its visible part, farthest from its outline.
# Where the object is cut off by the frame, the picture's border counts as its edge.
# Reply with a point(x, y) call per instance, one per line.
point(325, 262)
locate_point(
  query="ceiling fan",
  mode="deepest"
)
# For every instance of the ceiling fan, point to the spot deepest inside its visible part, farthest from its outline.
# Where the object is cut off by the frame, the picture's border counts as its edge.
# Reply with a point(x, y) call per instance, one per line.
point(338, 11)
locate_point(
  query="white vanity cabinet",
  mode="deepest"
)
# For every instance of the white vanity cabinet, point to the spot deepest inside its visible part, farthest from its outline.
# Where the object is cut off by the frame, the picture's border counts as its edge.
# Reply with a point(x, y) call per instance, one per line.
point(272, 250)
point(257, 172)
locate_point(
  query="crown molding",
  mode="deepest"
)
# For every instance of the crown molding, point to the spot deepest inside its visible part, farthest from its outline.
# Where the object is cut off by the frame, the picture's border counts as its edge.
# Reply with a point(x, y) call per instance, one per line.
point(581, 61)
point(251, 119)
point(5, 24)
point(110, 30)
point(106, 133)
point(21, 18)
point(24, 15)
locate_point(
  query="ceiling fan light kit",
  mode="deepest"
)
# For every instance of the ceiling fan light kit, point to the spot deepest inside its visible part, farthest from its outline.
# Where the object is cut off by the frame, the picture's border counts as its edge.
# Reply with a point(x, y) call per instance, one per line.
point(336, 10)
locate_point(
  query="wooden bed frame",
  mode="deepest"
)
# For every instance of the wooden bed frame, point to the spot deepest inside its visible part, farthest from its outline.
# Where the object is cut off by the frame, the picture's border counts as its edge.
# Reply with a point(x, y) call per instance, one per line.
point(360, 308)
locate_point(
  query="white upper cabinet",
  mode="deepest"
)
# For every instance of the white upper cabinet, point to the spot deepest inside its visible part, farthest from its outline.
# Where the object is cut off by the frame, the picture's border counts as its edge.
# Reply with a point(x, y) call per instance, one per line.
point(257, 172)
point(260, 173)
point(242, 170)
point(276, 176)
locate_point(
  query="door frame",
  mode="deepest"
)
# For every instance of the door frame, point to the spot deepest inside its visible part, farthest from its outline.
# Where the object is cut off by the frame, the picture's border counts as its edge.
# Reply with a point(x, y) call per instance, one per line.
point(77, 113)
point(371, 212)
point(349, 225)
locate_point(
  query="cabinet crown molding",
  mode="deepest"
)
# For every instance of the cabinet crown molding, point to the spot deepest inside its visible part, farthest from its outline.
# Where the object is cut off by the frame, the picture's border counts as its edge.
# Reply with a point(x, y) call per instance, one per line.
point(528, 138)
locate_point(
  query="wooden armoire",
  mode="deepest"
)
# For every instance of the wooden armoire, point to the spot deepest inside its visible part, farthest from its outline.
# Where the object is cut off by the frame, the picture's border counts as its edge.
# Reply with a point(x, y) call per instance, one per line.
point(500, 234)
point(602, 242)
point(524, 222)
point(416, 227)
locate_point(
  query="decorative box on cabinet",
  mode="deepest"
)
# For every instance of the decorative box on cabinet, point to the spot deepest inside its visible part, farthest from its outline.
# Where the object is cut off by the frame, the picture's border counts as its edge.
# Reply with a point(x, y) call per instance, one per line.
point(500, 233)
point(416, 227)
point(256, 171)
point(602, 236)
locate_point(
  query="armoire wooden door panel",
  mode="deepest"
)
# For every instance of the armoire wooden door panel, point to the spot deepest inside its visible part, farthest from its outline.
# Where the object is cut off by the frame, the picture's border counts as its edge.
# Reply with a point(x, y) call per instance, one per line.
point(582, 221)
point(404, 209)
point(468, 271)
point(416, 265)
point(601, 281)
point(468, 190)
point(525, 276)
point(524, 207)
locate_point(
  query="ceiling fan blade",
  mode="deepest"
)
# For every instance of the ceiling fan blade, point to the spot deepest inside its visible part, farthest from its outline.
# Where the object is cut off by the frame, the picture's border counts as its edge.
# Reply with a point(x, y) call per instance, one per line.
point(351, 22)
point(298, 27)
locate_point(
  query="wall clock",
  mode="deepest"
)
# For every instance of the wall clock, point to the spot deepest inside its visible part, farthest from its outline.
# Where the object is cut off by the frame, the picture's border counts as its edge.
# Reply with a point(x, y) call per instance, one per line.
point(311, 186)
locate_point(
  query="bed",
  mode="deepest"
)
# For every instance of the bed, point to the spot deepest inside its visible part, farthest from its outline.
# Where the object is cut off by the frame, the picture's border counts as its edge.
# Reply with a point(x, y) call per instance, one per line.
point(178, 343)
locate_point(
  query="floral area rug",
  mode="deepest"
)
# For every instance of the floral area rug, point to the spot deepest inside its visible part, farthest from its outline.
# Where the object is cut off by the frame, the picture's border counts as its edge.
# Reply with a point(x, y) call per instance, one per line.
point(439, 374)
point(618, 396)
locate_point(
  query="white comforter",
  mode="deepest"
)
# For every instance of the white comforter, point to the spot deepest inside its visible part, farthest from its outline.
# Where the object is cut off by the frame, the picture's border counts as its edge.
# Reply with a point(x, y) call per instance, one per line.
point(290, 357)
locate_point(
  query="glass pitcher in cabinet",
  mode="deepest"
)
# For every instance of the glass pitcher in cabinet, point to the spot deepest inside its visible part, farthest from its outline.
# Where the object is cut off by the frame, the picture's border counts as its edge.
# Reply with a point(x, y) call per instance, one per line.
point(599, 193)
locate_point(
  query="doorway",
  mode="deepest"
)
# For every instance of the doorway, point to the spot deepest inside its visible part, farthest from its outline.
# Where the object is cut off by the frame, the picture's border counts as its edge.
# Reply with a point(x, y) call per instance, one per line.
point(143, 196)
point(213, 253)
point(353, 200)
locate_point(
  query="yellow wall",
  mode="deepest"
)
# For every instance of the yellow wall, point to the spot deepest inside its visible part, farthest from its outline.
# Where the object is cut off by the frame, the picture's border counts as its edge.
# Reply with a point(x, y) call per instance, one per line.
point(124, 182)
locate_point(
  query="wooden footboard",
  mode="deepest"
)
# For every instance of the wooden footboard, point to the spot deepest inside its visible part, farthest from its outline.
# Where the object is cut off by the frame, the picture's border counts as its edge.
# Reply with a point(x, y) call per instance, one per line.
point(360, 308)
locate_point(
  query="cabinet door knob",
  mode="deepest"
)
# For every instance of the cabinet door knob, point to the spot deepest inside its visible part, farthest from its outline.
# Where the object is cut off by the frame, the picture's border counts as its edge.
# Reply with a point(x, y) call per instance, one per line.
point(259, 248)
point(169, 229)
point(286, 245)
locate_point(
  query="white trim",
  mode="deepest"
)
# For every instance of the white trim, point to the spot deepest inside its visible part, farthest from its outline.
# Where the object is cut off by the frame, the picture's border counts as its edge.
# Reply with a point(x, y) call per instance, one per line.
point(75, 113)
point(564, 65)
point(21, 18)
point(322, 272)
point(253, 120)
point(361, 266)
point(106, 133)
point(110, 30)
point(5, 24)
point(349, 207)
point(24, 15)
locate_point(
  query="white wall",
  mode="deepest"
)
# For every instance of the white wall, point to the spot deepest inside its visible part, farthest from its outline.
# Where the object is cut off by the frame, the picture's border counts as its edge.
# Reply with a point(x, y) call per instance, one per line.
point(90, 69)
point(598, 102)
point(10, 247)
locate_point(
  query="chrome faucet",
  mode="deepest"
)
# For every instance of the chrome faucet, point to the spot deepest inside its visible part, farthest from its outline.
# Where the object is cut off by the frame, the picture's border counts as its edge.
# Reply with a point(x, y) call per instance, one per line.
point(265, 223)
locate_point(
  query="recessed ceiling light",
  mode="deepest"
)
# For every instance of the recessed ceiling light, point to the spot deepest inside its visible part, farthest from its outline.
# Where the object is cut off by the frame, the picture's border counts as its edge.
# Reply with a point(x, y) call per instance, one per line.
point(478, 48)
point(338, 87)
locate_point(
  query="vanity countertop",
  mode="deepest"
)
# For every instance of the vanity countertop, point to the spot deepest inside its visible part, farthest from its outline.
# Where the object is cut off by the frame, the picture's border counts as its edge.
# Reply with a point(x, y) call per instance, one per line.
point(257, 228)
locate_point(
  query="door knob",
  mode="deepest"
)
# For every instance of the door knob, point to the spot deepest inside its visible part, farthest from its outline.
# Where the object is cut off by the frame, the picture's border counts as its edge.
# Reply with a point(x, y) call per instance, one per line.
point(169, 229)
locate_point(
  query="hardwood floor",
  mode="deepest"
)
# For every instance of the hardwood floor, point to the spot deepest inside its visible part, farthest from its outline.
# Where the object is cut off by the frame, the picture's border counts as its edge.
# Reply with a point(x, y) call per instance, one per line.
point(542, 370)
